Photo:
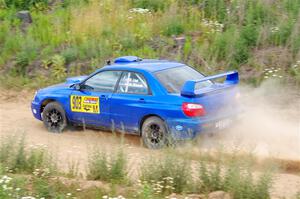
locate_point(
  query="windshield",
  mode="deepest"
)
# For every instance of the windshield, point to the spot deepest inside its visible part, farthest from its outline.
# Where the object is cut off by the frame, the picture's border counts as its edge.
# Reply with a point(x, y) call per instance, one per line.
point(173, 79)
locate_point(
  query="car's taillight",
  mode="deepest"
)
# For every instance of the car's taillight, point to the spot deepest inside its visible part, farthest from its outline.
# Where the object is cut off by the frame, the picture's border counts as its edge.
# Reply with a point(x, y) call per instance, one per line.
point(192, 109)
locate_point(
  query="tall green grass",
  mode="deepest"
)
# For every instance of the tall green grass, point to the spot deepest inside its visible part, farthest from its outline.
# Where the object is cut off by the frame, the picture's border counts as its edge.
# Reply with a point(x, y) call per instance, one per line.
point(167, 174)
point(158, 176)
point(170, 173)
point(16, 158)
point(222, 34)
point(111, 168)
point(236, 178)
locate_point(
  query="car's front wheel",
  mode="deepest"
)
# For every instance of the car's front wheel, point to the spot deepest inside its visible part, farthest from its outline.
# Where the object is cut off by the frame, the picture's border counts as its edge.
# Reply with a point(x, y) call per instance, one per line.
point(154, 133)
point(54, 117)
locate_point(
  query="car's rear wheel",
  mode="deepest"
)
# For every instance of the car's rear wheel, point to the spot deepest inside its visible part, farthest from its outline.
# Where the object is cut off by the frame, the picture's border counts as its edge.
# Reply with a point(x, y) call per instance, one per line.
point(54, 117)
point(154, 133)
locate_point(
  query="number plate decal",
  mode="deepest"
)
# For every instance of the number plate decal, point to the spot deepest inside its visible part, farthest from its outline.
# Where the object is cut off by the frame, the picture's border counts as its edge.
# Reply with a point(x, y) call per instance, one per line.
point(85, 104)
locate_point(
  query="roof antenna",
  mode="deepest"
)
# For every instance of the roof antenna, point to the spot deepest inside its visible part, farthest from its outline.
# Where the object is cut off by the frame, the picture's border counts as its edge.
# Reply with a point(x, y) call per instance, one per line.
point(108, 62)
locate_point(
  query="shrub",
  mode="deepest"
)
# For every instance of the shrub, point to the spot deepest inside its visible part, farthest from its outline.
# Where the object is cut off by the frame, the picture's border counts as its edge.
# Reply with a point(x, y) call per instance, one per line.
point(210, 177)
point(291, 7)
point(173, 27)
point(257, 12)
point(236, 179)
point(249, 35)
point(98, 167)
point(7, 150)
point(118, 167)
point(113, 169)
point(241, 53)
point(57, 66)
point(24, 4)
point(22, 61)
point(70, 54)
point(221, 47)
point(214, 9)
point(16, 158)
point(166, 171)
point(42, 187)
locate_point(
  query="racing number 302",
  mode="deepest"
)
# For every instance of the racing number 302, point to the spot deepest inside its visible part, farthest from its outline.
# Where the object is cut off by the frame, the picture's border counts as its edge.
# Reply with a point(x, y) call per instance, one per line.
point(85, 104)
point(76, 102)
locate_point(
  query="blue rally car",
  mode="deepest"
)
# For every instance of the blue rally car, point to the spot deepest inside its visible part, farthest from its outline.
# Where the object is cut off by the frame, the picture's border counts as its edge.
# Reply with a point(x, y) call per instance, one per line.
point(156, 99)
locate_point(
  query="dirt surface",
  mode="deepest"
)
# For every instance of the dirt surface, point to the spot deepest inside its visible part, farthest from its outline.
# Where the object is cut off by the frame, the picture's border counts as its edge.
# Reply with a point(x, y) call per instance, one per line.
point(262, 134)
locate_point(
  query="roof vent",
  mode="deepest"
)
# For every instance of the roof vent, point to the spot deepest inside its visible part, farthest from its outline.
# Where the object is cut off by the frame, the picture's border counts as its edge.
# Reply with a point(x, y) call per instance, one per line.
point(127, 59)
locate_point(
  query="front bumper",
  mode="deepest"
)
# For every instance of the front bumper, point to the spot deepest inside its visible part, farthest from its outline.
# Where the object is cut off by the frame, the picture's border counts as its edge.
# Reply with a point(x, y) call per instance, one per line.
point(35, 109)
point(189, 128)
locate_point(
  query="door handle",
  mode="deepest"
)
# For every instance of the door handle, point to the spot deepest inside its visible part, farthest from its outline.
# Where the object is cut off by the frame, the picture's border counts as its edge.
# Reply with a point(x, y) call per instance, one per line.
point(104, 96)
point(142, 100)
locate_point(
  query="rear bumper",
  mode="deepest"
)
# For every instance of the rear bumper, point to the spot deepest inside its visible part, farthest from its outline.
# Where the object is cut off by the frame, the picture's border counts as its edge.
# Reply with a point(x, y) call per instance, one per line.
point(35, 109)
point(189, 128)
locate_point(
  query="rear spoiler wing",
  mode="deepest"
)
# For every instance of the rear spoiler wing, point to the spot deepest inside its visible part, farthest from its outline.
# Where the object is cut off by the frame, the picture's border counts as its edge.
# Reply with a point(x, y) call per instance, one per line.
point(188, 89)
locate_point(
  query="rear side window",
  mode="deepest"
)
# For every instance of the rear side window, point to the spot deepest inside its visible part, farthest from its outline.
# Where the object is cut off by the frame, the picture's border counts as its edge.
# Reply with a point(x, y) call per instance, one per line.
point(173, 79)
point(102, 82)
point(133, 83)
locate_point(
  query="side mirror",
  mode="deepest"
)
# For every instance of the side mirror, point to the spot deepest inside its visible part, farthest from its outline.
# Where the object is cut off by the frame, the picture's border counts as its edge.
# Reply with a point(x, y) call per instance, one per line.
point(77, 87)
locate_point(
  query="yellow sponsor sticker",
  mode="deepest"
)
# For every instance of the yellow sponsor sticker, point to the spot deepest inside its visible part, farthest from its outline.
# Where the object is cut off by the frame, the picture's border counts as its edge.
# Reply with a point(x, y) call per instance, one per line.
point(85, 104)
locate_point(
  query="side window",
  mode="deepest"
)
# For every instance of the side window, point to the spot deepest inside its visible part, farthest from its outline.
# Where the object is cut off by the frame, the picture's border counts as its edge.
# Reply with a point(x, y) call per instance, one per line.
point(103, 82)
point(133, 83)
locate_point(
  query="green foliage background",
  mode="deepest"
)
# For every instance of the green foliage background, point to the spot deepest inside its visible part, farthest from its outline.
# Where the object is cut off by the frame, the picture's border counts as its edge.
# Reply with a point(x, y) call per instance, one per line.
point(74, 37)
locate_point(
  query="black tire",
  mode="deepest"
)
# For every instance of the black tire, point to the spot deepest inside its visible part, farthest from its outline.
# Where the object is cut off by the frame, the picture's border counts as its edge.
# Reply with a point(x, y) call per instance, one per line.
point(54, 117)
point(154, 133)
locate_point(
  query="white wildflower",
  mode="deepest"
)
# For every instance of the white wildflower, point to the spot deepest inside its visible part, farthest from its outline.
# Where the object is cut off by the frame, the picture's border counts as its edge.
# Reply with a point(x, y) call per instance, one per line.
point(139, 10)
point(274, 29)
point(4, 187)
point(228, 10)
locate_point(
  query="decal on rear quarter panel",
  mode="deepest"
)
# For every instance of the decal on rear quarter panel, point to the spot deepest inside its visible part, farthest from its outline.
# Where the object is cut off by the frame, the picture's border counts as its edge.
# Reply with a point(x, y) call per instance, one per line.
point(85, 104)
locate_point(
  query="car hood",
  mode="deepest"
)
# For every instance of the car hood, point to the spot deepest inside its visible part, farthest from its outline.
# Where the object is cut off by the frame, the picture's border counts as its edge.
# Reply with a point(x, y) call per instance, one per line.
point(62, 86)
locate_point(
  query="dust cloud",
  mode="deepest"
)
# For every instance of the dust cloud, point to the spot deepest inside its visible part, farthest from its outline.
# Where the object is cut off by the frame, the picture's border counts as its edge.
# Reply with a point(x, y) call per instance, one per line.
point(269, 125)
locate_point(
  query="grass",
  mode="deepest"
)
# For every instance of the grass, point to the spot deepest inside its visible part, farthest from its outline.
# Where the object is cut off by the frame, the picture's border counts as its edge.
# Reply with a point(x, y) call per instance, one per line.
point(76, 37)
point(112, 169)
point(166, 174)
point(26, 171)
point(15, 158)
point(236, 179)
